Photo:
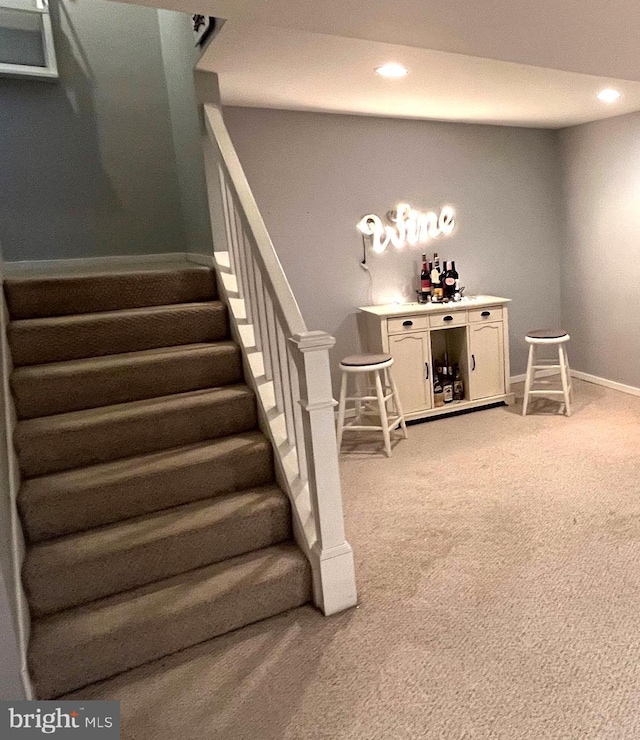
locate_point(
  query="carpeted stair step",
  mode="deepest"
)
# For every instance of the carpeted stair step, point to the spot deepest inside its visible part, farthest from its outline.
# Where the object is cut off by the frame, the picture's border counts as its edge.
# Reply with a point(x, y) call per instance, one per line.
point(58, 338)
point(59, 387)
point(56, 295)
point(69, 571)
point(114, 634)
point(80, 438)
point(80, 499)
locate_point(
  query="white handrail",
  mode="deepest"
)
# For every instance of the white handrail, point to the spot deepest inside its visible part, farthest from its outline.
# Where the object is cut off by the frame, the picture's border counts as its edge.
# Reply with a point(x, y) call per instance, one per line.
point(288, 367)
point(265, 254)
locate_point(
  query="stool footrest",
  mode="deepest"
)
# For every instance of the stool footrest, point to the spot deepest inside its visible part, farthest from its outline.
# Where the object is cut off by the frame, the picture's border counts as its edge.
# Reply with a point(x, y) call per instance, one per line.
point(546, 392)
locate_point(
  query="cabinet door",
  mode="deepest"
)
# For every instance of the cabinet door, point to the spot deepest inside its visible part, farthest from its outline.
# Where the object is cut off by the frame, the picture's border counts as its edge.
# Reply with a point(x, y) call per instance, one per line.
point(486, 360)
point(410, 369)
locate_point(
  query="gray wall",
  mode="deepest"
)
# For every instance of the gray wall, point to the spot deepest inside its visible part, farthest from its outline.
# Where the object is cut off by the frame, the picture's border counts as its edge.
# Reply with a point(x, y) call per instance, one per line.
point(88, 163)
point(601, 260)
point(315, 175)
point(180, 55)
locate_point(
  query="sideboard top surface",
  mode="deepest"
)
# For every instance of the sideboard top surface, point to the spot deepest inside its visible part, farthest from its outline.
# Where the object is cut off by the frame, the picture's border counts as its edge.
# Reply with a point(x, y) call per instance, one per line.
point(403, 309)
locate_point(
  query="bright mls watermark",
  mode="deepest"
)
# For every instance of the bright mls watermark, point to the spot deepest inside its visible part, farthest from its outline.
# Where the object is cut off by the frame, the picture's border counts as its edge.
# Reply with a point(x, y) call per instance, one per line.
point(60, 719)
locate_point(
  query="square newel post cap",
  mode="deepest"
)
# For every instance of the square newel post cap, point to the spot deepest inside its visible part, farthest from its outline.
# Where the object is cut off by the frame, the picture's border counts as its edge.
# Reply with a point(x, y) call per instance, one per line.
point(311, 341)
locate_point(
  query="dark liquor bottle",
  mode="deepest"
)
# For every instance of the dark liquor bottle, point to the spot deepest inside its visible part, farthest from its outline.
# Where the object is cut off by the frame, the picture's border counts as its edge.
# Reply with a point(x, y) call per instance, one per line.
point(447, 385)
point(436, 285)
point(448, 280)
point(458, 384)
point(425, 281)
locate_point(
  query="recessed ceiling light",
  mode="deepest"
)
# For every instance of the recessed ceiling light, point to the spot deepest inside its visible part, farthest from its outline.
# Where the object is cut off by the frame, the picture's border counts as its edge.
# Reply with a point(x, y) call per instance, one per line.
point(392, 70)
point(608, 95)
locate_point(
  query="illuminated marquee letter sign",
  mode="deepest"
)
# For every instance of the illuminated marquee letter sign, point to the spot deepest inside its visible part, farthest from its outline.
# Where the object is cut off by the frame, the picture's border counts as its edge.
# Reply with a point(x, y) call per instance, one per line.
point(409, 227)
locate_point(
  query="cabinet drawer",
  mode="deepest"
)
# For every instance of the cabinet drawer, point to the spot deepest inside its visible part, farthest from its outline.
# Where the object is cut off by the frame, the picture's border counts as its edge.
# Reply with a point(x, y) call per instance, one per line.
point(455, 318)
point(492, 313)
point(406, 323)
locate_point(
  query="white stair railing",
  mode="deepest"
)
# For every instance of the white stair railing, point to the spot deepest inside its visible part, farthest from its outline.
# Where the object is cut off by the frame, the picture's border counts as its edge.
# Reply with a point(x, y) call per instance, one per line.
point(287, 365)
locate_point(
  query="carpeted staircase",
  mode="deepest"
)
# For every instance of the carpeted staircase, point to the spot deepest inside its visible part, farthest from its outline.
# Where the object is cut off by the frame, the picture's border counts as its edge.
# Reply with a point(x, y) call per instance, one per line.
point(148, 499)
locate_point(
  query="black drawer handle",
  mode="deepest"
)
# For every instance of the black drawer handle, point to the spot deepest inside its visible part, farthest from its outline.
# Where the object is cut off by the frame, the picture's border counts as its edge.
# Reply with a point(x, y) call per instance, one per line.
point(426, 364)
point(407, 323)
point(448, 318)
point(486, 313)
point(473, 359)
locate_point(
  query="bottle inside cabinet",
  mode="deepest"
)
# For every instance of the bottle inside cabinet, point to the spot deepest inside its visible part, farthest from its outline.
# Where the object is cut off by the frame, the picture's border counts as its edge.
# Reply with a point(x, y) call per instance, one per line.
point(450, 366)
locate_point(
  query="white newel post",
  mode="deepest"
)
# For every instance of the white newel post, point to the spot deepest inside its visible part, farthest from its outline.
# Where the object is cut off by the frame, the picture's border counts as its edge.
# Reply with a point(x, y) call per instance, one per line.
point(334, 572)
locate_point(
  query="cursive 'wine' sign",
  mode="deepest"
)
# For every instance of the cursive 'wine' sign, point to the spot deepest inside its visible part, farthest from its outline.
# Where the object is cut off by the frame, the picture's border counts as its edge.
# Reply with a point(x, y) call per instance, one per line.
point(409, 226)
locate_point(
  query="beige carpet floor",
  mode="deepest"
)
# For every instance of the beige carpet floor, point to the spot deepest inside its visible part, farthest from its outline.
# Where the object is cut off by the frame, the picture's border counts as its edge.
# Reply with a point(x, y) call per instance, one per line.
point(498, 565)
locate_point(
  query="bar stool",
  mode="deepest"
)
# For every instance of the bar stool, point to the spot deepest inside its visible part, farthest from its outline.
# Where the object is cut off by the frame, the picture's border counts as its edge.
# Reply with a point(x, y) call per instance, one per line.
point(385, 391)
point(547, 337)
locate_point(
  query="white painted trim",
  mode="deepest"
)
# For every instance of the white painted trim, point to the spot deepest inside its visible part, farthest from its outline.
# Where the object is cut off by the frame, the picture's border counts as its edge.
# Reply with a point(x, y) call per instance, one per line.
point(539, 374)
point(632, 390)
point(18, 268)
point(201, 259)
point(13, 478)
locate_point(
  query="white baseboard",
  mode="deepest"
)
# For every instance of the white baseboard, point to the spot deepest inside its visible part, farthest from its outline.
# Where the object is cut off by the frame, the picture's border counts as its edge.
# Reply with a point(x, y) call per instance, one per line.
point(201, 259)
point(112, 261)
point(632, 390)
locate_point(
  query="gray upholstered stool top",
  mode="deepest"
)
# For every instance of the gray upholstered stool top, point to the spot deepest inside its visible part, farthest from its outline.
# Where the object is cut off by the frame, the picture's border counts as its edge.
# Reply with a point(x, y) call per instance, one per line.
point(546, 334)
point(362, 360)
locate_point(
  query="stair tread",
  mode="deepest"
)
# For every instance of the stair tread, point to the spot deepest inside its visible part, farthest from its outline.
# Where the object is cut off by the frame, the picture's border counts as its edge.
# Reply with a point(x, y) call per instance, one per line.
point(75, 439)
point(80, 568)
point(131, 409)
point(154, 602)
point(104, 333)
point(163, 525)
point(79, 319)
point(63, 294)
point(38, 490)
point(93, 382)
point(81, 498)
point(124, 359)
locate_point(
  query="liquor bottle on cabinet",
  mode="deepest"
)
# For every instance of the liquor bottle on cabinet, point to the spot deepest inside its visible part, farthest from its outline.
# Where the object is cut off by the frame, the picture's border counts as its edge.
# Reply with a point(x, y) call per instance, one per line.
point(436, 284)
point(425, 281)
point(458, 384)
point(438, 395)
point(448, 282)
point(447, 381)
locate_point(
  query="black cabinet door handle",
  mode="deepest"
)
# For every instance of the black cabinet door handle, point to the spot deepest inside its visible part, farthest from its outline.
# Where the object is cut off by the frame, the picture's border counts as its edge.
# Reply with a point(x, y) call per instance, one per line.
point(448, 318)
point(407, 323)
point(486, 313)
point(426, 364)
point(473, 359)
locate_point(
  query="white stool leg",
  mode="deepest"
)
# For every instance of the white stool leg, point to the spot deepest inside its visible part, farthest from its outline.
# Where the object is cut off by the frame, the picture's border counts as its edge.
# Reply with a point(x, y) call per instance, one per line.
point(384, 420)
point(565, 380)
point(566, 364)
point(341, 408)
point(528, 378)
point(396, 402)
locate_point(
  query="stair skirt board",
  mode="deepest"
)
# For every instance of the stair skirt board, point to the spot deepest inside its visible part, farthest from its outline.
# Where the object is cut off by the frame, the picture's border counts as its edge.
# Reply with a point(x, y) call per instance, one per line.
point(148, 500)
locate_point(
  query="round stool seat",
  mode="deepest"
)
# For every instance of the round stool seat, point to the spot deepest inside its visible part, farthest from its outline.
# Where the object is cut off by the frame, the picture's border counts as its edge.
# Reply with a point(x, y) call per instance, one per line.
point(364, 360)
point(547, 334)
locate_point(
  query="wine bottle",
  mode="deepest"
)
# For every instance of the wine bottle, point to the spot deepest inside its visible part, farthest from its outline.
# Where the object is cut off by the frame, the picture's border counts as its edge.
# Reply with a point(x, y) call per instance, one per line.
point(436, 285)
point(438, 397)
point(449, 281)
point(425, 281)
point(447, 385)
point(458, 384)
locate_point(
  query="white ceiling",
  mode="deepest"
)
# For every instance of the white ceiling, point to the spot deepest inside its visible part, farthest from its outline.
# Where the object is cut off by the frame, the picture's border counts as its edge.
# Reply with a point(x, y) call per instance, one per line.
point(319, 54)
point(283, 68)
